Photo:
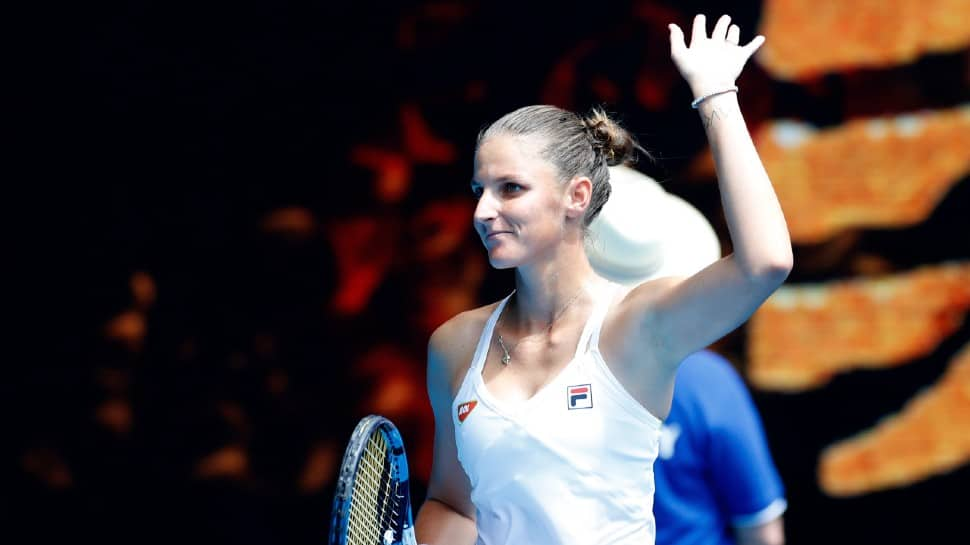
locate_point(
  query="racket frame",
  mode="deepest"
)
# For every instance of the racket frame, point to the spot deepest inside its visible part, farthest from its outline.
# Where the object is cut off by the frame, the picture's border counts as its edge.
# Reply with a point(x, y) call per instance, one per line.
point(343, 497)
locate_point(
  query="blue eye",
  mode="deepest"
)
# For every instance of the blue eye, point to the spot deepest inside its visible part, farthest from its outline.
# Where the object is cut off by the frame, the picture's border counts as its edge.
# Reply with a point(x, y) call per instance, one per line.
point(477, 190)
point(510, 187)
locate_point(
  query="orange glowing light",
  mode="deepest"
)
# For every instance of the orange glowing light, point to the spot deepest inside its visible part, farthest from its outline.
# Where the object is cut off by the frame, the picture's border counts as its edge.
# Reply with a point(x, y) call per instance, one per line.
point(805, 334)
point(929, 436)
point(870, 33)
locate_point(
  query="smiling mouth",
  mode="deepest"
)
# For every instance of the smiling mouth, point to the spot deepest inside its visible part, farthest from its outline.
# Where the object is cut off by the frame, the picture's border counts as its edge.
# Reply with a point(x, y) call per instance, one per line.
point(493, 235)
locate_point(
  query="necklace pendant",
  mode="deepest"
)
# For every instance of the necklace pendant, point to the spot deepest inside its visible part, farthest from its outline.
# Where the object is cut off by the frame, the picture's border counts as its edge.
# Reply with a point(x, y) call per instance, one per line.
point(506, 359)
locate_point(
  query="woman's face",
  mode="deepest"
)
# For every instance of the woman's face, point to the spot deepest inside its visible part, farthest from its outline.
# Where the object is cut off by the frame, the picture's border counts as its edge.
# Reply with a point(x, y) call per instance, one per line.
point(521, 204)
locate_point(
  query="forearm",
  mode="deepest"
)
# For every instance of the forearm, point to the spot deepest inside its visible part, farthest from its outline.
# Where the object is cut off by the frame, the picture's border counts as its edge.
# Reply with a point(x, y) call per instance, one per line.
point(769, 533)
point(439, 524)
point(759, 233)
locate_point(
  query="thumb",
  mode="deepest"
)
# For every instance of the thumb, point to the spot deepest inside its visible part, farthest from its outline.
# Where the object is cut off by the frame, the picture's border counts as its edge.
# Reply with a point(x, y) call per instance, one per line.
point(677, 45)
point(754, 45)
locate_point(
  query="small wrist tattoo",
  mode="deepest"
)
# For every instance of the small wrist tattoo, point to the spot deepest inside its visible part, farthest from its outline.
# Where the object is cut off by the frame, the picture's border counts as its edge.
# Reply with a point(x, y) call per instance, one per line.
point(710, 117)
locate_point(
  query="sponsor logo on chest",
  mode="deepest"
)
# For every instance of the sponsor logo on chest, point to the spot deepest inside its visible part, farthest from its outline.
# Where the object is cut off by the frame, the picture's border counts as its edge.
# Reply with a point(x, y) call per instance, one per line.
point(466, 409)
point(579, 396)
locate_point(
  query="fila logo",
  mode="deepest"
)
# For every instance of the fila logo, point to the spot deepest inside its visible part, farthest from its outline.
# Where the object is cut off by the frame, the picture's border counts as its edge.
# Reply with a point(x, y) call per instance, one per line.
point(579, 396)
point(465, 409)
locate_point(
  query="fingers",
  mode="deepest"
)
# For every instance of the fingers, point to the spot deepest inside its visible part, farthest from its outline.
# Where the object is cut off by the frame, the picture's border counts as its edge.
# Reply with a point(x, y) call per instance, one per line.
point(676, 40)
point(699, 30)
point(721, 28)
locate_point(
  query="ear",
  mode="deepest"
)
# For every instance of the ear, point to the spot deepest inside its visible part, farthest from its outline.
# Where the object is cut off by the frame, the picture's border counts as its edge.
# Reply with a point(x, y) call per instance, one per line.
point(578, 193)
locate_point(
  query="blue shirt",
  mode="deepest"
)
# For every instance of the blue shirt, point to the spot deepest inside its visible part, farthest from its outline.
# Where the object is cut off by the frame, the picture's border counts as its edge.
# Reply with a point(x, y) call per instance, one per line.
point(714, 471)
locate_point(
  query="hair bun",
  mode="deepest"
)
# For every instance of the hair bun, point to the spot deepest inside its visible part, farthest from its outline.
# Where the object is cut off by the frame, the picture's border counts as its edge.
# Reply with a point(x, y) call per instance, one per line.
point(613, 142)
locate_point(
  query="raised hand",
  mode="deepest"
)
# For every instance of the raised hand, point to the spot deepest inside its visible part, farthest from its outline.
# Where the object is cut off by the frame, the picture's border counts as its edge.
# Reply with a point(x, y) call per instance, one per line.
point(711, 64)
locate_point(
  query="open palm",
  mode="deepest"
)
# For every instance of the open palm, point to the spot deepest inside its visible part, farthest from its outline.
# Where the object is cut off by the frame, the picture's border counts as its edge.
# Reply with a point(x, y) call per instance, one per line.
point(711, 63)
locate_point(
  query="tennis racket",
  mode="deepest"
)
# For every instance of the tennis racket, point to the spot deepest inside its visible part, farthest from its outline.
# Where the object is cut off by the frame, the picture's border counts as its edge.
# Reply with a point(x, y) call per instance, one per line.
point(372, 504)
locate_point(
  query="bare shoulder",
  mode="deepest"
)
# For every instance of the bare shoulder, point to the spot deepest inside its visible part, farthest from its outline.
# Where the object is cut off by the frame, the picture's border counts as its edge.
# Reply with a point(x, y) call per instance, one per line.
point(645, 296)
point(630, 331)
point(632, 347)
point(459, 335)
point(637, 305)
point(453, 343)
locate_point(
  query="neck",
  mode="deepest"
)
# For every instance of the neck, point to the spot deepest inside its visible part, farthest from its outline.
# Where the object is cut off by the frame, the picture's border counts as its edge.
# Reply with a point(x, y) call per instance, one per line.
point(545, 288)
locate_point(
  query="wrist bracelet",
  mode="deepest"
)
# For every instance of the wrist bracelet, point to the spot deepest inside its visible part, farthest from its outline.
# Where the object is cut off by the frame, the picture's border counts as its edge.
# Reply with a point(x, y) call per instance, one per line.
point(697, 101)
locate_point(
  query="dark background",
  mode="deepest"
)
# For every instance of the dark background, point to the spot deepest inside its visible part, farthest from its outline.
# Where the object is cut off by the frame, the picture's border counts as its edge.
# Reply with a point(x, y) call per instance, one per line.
point(221, 158)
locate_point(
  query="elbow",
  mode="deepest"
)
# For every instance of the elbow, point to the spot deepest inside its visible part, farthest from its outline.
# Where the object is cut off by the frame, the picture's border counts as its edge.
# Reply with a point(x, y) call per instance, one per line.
point(773, 270)
point(780, 268)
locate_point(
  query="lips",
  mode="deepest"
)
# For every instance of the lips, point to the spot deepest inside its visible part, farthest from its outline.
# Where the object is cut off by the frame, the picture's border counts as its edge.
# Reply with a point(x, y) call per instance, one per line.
point(495, 234)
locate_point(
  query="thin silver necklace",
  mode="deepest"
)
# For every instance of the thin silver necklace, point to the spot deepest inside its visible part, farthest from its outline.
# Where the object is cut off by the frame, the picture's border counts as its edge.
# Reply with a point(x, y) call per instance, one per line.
point(507, 352)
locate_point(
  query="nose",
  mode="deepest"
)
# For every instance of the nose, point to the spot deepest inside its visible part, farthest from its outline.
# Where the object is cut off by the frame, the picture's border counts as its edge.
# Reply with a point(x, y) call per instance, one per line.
point(486, 210)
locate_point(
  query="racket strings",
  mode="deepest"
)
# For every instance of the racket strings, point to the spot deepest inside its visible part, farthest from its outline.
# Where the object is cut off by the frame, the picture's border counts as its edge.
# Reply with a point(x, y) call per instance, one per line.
point(363, 518)
point(374, 506)
point(389, 496)
point(378, 464)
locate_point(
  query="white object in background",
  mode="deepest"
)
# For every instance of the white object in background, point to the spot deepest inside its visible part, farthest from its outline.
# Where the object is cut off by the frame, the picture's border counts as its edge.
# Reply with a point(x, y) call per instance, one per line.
point(643, 232)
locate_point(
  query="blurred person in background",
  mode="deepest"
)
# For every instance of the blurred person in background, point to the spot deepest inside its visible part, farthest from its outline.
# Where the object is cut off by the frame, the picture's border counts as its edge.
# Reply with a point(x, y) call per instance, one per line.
point(715, 478)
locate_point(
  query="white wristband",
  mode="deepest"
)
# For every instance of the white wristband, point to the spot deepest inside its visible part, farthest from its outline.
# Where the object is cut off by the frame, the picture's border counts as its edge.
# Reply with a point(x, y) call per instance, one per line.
point(697, 101)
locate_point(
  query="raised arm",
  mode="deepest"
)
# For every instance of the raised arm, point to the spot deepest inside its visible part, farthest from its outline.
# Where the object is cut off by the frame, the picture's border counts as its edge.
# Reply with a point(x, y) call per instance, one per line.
point(684, 315)
point(447, 516)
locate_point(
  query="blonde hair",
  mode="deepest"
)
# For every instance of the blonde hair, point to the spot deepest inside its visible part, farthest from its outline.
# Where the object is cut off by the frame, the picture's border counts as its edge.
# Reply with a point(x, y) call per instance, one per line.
point(577, 146)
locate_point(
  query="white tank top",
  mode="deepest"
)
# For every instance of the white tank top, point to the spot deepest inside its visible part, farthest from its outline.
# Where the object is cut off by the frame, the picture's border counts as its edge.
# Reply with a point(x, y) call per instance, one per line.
point(573, 465)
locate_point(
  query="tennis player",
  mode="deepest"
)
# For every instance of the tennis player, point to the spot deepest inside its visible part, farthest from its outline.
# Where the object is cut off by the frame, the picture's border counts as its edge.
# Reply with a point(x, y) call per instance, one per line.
point(548, 403)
